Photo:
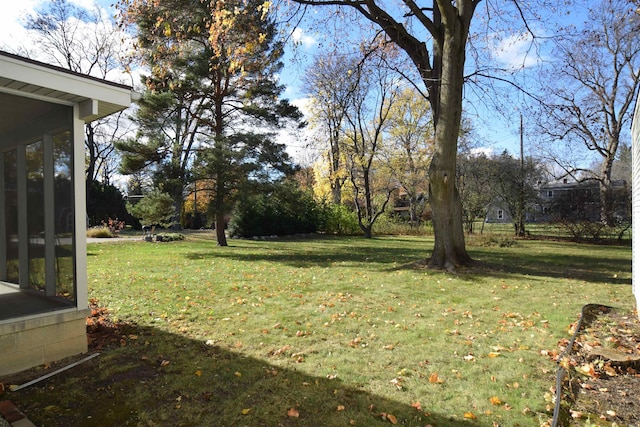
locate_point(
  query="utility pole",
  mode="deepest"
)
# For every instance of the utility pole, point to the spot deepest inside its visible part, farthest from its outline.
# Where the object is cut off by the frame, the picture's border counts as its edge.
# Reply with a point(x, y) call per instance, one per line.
point(520, 231)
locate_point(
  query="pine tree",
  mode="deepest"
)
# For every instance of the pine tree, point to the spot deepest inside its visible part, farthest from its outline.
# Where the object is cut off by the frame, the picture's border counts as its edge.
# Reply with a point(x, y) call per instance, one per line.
point(218, 59)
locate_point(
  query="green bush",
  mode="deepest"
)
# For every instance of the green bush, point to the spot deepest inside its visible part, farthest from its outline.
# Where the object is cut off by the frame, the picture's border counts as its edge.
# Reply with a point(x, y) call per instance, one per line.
point(286, 210)
point(169, 237)
point(339, 219)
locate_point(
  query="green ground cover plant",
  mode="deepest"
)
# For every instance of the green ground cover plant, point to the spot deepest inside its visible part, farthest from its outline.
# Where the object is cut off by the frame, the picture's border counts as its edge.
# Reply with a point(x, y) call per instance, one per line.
point(331, 331)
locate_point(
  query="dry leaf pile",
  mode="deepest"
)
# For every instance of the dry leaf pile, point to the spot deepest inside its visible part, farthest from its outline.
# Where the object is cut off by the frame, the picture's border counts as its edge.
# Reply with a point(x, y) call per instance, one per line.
point(603, 369)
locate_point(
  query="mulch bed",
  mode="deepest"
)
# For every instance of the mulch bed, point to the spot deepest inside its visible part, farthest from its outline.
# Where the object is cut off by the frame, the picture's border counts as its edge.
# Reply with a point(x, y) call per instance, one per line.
point(603, 370)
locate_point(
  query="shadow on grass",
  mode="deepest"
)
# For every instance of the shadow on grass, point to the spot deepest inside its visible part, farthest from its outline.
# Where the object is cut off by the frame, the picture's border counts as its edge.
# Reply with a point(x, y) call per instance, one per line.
point(156, 378)
point(322, 252)
point(593, 264)
point(590, 266)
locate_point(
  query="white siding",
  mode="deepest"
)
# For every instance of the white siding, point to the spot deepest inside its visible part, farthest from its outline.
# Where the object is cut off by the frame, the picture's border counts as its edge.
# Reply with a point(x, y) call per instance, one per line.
point(635, 131)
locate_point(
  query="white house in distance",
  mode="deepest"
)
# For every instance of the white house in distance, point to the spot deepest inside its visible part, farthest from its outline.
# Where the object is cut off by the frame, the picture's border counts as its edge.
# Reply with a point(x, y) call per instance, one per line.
point(43, 258)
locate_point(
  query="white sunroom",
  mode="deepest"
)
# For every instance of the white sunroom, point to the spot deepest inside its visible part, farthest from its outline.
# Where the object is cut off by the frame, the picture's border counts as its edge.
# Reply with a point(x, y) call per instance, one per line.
point(43, 278)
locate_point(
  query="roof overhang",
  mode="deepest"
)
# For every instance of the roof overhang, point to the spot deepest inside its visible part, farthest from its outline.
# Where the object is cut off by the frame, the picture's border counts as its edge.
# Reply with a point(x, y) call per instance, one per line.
point(27, 78)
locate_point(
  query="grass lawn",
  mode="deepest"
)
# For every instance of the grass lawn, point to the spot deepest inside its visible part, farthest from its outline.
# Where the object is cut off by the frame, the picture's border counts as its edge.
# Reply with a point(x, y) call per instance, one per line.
point(328, 332)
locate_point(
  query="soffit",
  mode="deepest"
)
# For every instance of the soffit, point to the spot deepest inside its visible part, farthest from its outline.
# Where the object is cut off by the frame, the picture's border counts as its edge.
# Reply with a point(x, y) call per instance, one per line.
point(16, 111)
point(36, 81)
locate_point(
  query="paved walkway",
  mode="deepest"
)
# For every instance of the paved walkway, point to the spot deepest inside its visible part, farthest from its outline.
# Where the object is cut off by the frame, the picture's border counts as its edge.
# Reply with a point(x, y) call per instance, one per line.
point(114, 239)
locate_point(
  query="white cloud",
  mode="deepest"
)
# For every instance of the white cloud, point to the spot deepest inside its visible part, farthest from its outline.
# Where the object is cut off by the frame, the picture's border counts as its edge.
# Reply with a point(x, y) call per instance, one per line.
point(516, 51)
point(487, 151)
point(15, 38)
point(301, 37)
point(84, 4)
point(303, 105)
point(12, 33)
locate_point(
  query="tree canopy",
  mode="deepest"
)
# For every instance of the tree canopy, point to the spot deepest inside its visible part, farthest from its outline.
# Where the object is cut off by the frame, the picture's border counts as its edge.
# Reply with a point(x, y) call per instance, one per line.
point(441, 69)
point(588, 91)
point(217, 63)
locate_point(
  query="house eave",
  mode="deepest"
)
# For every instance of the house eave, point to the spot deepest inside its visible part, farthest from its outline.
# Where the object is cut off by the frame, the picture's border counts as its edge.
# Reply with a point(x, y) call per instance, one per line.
point(33, 79)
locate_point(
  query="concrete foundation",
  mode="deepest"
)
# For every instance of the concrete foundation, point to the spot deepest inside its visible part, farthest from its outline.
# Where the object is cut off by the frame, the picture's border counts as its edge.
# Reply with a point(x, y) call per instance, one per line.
point(35, 340)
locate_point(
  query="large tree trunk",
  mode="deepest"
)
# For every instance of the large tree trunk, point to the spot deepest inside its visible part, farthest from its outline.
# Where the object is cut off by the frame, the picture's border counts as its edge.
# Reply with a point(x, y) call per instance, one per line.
point(606, 205)
point(92, 154)
point(336, 183)
point(449, 55)
point(220, 209)
point(220, 229)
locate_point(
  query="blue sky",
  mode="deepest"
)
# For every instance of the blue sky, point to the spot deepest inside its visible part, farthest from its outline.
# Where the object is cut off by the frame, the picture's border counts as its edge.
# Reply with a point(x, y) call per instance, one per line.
point(495, 132)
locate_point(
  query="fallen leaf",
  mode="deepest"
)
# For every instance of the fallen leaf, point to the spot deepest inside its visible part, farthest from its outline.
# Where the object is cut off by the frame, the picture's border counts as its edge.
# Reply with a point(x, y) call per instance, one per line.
point(340, 408)
point(495, 400)
point(417, 406)
point(355, 342)
point(470, 416)
point(280, 350)
point(434, 378)
point(493, 355)
point(246, 411)
point(609, 370)
point(587, 369)
point(293, 413)
point(199, 373)
point(389, 417)
point(164, 363)
point(397, 382)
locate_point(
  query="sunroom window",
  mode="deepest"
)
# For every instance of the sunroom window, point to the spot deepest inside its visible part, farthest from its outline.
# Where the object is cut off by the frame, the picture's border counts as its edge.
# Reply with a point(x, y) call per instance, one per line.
point(37, 263)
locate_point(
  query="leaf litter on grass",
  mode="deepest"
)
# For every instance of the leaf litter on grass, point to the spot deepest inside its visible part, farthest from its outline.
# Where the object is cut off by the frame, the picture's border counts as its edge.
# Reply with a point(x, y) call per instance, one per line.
point(286, 325)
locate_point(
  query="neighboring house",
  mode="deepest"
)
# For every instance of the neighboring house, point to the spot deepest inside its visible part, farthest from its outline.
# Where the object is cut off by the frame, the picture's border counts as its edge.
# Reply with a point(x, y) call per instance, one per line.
point(43, 261)
point(578, 199)
point(402, 204)
point(498, 213)
point(556, 198)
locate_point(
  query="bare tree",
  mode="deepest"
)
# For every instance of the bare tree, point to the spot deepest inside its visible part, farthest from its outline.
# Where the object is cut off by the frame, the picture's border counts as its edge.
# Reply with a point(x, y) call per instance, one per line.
point(410, 148)
point(441, 69)
point(330, 88)
point(590, 90)
point(375, 89)
point(475, 182)
point(86, 42)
